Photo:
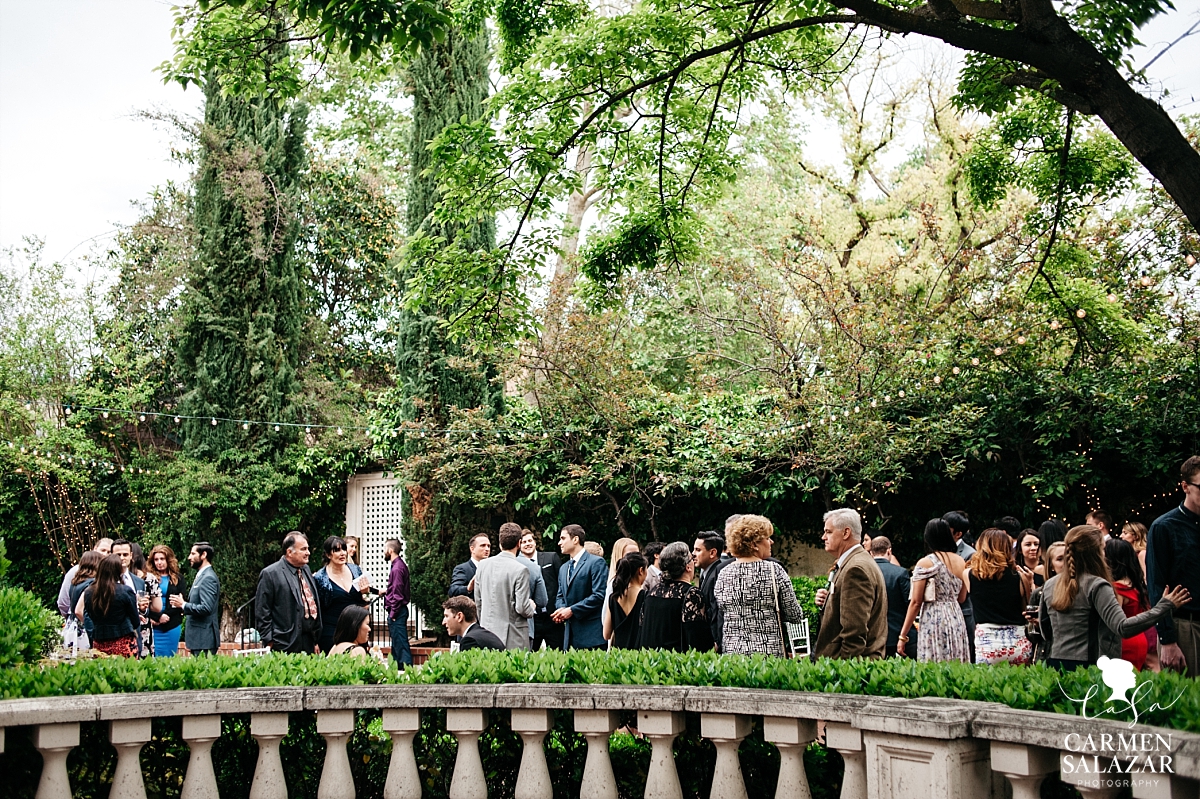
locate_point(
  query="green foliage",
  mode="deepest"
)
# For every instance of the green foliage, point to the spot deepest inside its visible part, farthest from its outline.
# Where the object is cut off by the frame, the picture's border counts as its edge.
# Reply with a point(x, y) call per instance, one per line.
point(239, 347)
point(4, 561)
point(234, 38)
point(806, 592)
point(26, 628)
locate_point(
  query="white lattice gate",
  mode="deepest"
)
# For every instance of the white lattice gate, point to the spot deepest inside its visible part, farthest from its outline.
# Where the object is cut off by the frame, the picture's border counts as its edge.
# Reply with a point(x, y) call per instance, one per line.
point(373, 516)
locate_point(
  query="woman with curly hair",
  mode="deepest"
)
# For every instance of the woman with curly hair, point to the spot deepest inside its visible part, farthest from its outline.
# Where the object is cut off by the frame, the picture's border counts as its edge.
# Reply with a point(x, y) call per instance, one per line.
point(162, 569)
point(1083, 618)
point(755, 594)
point(999, 588)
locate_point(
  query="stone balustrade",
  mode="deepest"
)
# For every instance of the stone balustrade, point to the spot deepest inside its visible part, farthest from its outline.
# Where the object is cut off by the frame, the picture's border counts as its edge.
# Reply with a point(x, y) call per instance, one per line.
point(893, 748)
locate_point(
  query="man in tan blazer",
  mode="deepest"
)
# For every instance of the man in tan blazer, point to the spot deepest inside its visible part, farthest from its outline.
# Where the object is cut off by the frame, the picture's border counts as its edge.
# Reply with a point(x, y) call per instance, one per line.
point(854, 607)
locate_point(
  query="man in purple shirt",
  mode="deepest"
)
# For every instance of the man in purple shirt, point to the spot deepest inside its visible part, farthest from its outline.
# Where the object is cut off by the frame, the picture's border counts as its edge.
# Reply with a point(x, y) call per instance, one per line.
point(395, 602)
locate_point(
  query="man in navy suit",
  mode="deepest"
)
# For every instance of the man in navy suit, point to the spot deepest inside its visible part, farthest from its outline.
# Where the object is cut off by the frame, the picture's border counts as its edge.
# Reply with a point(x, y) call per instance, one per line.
point(461, 579)
point(581, 584)
point(203, 607)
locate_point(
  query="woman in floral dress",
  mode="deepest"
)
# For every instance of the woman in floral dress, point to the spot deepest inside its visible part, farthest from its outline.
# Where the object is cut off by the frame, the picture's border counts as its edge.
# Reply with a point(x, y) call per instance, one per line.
point(943, 631)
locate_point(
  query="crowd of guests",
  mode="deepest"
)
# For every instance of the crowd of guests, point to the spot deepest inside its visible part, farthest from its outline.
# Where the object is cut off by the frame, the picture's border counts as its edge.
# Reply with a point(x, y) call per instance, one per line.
point(1010, 594)
point(118, 601)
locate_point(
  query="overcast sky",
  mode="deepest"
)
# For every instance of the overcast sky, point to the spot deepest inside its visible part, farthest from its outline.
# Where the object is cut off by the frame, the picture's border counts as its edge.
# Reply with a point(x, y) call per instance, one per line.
point(74, 156)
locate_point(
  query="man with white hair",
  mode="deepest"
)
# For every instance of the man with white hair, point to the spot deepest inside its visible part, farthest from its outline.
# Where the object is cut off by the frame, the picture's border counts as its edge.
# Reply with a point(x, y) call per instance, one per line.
point(854, 605)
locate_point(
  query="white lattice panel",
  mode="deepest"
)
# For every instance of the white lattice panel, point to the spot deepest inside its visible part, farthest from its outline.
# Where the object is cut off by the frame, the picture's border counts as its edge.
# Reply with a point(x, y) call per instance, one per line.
point(373, 515)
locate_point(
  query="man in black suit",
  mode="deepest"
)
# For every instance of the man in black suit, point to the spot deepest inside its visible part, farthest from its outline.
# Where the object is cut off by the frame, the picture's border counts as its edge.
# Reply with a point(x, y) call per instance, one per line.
point(287, 611)
point(461, 578)
point(709, 553)
point(898, 584)
point(459, 618)
point(544, 630)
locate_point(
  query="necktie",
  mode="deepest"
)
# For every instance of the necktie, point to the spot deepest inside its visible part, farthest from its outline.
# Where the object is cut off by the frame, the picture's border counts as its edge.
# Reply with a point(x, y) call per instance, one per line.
point(310, 605)
point(571, 571)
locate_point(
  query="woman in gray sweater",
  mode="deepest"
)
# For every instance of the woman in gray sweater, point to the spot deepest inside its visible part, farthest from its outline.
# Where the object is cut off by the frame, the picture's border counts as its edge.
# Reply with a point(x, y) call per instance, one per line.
point(1080, 616)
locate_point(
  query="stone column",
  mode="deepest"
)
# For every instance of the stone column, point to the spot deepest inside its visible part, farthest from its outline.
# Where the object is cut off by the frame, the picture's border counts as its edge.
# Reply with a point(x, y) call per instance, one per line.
point(1024, 766)
point(848, 742)
point(599, 782)
point(268, 729)
point(335, 726)
point(55, 742)
point(661, 727)
point(791, 737)
point(128, 736)
point(1164, 786)
point(200, 732)
point(904, 765)
point(466, 724)
point(726, 731)
point(533, 780)
point(403, 778)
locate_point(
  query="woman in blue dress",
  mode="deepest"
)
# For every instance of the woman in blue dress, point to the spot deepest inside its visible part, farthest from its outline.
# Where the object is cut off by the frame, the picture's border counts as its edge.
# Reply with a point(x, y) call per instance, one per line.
point(340, 584)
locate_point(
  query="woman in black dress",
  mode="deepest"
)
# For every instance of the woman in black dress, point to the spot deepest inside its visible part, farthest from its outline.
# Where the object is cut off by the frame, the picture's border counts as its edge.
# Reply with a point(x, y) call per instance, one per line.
point(673, 615)
point(340, 584)
point(623, 621)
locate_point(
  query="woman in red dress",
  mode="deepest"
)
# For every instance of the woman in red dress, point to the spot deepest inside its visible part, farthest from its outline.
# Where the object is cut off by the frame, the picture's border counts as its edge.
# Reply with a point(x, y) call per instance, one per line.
point(1131, 592)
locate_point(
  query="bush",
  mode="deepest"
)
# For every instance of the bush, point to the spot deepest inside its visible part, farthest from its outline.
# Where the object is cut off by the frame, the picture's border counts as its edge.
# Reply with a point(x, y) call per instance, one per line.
point(27, 630)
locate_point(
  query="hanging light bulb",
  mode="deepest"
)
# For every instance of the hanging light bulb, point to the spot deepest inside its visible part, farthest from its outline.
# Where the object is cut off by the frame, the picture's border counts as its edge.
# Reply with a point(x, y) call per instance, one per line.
point(1081, 313)
point(213, 421)
point(900, 394)
point(245, 425)
point(1147, 280)
point(177, 420)
point(1055, 324)
point(998, 351)
point(104, 414)
point(937, 379)
point(974, 361)
point(1021, 340)
point(340, 431)
point(142, 417)
point(276, 428)
point(1112, 297)
point(955, 370)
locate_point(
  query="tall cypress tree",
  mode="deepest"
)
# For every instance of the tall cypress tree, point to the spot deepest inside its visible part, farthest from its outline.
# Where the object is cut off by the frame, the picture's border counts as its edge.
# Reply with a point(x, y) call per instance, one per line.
point(450, 82)
point(243, 310)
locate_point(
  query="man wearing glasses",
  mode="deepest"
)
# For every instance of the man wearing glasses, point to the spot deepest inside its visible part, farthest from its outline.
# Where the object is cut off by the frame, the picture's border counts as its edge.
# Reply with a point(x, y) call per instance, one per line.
point(1173, 558)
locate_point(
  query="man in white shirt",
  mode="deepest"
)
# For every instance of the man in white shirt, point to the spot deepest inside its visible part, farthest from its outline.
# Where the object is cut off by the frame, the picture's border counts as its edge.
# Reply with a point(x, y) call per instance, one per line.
point(1101, 519)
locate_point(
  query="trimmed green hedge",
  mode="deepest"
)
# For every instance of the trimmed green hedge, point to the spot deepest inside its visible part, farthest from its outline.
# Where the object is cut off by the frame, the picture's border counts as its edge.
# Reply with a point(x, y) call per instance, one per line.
point(27, 629)
point(1029, 688)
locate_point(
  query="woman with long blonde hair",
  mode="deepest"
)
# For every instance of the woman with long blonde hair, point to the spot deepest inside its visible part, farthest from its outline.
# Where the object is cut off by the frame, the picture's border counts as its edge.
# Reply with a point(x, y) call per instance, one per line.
point(620, 548)
point(999, 588)
point(1083, 618)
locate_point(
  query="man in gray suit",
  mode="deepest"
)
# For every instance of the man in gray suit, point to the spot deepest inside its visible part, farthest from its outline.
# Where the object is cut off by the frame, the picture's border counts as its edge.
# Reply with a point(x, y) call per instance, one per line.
point(203, 607)
point(502, 592)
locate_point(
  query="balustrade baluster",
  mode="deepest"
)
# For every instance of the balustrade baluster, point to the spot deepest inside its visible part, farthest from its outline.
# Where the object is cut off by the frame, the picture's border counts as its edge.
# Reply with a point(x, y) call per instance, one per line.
point(791, 737)
point(848, 742)
point(200, 732)
point(128, 736)
point(403, 778)
point(661, 727)
point(596, 726)
point(533, 779)
point(726, 731)
point(335, 726)
point(55, 742)
point(1089, 784)
point(1024, 766)
point(268, 729)
point(466, 724)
